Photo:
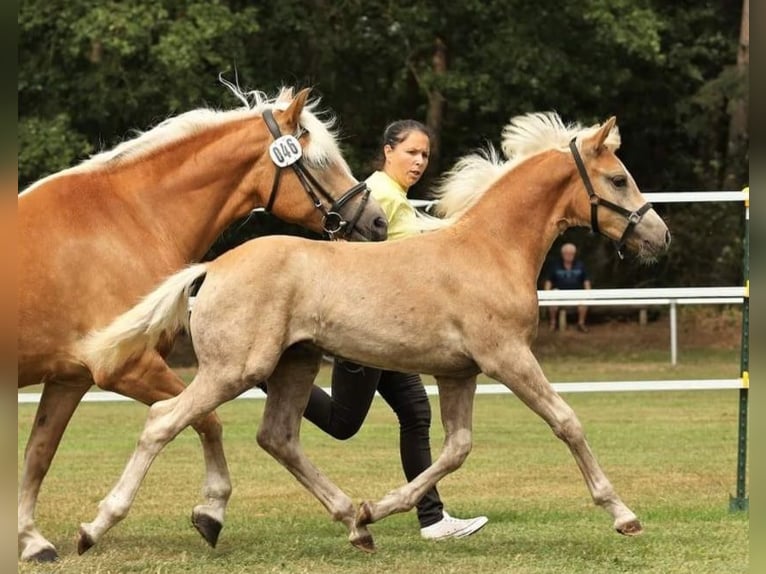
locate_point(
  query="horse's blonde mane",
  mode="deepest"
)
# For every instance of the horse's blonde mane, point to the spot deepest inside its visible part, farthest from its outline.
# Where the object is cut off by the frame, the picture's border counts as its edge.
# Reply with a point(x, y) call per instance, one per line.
point(523, 137)
point(322, 150)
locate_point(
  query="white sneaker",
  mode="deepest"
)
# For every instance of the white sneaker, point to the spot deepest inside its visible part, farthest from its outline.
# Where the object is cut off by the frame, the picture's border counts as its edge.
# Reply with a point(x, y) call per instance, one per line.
point(449, 527)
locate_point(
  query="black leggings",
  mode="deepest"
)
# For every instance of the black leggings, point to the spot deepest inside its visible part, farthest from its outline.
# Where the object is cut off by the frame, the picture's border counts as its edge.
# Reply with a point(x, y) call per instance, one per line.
point(342, 414)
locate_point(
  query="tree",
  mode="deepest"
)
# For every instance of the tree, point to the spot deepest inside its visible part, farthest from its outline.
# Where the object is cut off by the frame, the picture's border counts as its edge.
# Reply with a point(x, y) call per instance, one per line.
point(737, 162)
point(92, 70)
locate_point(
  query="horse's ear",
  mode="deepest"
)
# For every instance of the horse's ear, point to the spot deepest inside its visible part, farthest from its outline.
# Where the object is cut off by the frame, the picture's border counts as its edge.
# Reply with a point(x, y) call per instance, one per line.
point(595, 143)
point(293, 111)
point(285, 95)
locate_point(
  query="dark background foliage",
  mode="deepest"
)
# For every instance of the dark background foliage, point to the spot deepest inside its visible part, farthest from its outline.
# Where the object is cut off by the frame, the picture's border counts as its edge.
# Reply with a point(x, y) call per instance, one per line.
point(92, 71)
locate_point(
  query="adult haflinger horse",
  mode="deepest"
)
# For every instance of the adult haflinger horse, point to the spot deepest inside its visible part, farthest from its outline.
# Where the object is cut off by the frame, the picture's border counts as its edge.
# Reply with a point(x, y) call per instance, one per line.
point(96, 237)
point(268, 309)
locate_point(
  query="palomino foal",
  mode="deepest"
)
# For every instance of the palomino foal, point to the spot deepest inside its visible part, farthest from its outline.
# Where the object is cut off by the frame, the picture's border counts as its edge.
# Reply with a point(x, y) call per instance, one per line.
point(268, 309)
point(94, 238)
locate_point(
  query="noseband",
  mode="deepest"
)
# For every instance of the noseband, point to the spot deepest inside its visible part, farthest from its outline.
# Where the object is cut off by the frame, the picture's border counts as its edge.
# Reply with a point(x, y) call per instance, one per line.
point(285, 151)
point(633, 217)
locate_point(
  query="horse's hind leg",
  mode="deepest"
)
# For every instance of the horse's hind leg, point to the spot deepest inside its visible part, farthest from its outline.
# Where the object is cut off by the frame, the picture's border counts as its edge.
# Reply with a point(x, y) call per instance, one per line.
point(456, 405)
point(150, 380)
point(209, 389)
point(279, 434)
point(524, 377)
point(57, 404)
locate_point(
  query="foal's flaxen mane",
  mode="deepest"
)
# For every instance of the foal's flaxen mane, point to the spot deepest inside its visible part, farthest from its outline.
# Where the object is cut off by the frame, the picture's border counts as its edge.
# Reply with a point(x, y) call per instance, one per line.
point(321, 125)
point(523, 137)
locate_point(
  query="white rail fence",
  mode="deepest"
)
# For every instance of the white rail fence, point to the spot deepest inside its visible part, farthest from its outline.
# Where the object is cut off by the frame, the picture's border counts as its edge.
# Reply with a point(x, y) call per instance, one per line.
point(672, 297)
point(484, 389)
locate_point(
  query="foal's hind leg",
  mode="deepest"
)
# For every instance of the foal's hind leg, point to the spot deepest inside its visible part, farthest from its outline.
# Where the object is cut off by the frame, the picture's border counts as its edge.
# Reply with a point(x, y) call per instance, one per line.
point(210, 388)
point(456, 404)
point(150, 380)
point(279, 434)
point(524, 377)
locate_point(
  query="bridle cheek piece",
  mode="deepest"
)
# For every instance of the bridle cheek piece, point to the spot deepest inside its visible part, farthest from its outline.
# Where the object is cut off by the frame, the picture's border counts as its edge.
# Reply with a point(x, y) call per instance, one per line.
point(285, 151)
point(633, 217)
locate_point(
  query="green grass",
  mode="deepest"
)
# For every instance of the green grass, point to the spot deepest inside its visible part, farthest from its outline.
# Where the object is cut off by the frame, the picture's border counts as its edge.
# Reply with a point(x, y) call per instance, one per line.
point(671, 456)
point(650, 365)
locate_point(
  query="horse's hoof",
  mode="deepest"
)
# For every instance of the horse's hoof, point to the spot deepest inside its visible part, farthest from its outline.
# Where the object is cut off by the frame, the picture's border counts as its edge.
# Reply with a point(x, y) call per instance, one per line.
point(84, 542)
point(365, 543)
point(630, 528)
point(364, 514)
point(45, 555)
point(209, 528)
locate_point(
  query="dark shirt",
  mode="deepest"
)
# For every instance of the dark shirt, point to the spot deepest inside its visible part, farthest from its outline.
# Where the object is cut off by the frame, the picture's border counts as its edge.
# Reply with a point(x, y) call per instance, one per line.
point(562, 278)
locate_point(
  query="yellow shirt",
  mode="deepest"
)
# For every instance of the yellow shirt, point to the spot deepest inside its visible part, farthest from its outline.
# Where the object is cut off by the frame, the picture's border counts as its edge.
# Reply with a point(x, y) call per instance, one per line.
point(392, 198)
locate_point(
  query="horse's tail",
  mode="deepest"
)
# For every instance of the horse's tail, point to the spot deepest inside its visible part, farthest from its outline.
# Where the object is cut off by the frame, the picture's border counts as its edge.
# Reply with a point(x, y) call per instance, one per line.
point(163, 311)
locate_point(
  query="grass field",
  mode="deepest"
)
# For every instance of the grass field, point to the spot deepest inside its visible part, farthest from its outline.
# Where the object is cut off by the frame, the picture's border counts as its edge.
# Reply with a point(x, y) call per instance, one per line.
point(670, 455)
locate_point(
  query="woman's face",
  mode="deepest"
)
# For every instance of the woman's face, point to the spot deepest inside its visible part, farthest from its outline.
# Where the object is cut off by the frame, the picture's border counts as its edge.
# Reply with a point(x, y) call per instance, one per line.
point(407, 161)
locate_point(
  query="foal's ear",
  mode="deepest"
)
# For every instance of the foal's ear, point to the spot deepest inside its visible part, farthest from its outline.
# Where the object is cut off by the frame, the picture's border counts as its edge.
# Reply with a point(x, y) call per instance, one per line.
point(595, 143)
point(293, 111)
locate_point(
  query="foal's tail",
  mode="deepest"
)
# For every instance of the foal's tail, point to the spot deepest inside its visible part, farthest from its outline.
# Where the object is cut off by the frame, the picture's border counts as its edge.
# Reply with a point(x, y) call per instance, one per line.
point(164, 310)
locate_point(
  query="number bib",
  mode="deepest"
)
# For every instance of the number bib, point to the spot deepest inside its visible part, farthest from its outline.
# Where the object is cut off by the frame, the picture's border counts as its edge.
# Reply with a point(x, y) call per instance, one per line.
point(285, 150)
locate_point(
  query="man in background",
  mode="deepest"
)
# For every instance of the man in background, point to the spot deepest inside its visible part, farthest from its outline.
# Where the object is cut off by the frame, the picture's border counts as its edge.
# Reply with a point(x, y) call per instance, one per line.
point(568, 272)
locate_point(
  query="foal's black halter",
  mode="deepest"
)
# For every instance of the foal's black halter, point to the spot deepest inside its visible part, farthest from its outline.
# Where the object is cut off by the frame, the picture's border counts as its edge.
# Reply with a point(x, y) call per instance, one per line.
point(633, 217)
point(332, 220)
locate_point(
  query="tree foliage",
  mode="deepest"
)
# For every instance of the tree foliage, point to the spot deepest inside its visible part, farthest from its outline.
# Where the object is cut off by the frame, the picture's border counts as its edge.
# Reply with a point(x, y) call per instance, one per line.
point(90, 71)
point(96, 70)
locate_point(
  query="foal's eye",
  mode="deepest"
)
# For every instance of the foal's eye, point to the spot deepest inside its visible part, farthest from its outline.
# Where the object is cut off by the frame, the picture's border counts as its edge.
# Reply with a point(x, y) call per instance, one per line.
point(619, 181)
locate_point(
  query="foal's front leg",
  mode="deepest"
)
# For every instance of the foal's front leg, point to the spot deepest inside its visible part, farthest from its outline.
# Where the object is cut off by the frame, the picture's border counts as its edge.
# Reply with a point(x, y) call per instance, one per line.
point(279, 435)
point(525, 378)
point(456, 404)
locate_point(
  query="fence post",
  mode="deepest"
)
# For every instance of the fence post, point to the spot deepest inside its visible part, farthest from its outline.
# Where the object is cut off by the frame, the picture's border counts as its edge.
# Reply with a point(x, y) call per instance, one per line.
point(673, 333)
point(740, 501)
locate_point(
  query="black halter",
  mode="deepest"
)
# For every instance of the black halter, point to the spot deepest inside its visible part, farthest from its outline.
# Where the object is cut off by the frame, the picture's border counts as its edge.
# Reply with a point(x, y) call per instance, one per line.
point(633, 217)
point(332, 220)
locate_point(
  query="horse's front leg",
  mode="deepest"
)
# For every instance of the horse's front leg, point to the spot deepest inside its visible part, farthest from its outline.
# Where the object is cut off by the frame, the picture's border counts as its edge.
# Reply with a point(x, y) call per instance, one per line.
point(456, 405)
point(210, 388)
point(150, 380)
point(289, 388)
point(524, 377)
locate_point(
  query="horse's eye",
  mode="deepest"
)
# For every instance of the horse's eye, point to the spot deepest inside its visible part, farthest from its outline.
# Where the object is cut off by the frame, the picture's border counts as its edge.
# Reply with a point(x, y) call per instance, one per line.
point(619, 181)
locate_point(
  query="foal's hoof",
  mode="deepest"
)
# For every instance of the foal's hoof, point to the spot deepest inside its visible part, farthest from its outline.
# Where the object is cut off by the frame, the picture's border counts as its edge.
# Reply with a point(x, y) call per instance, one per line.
point(84, 542)
point(630, 528)
point(209, 528)
point(363, 515)
point(45, 555)
point(360, 536)
point(364, 543)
